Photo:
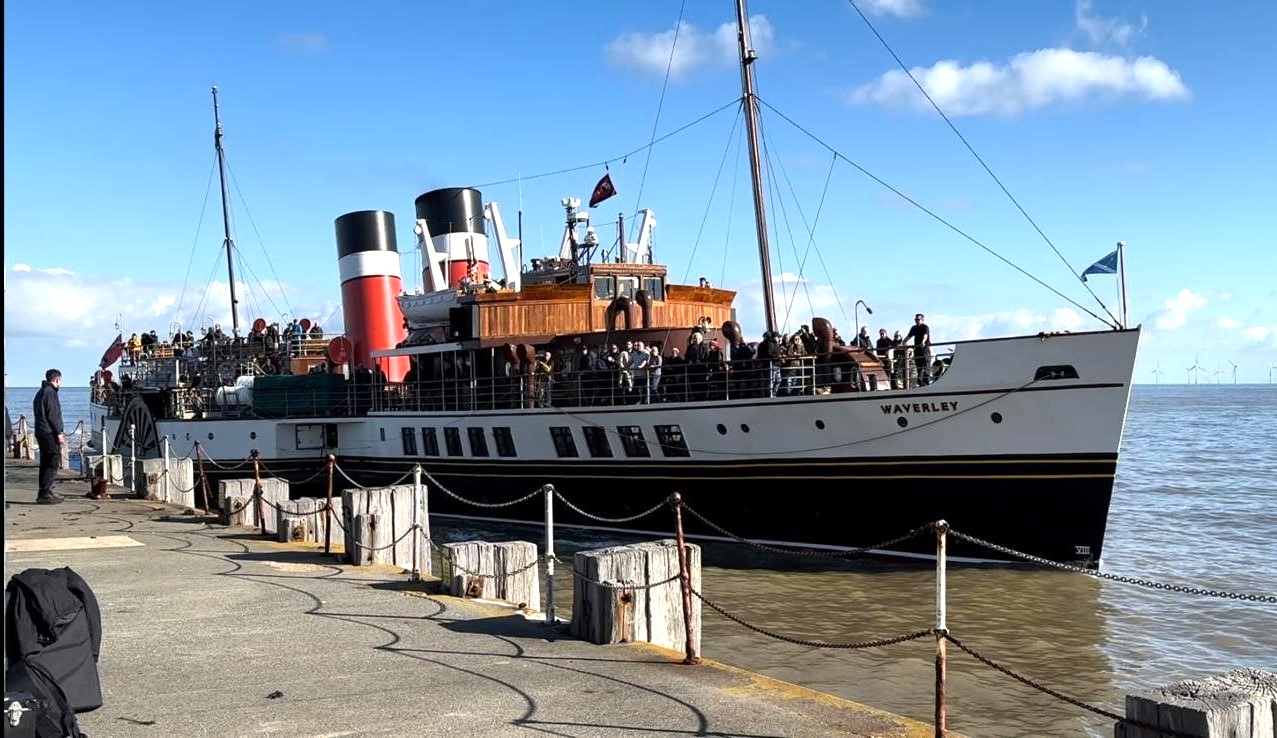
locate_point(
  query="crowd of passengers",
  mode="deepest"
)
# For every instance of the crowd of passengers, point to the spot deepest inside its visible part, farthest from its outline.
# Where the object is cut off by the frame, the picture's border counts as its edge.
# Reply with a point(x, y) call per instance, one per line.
point(632, 372)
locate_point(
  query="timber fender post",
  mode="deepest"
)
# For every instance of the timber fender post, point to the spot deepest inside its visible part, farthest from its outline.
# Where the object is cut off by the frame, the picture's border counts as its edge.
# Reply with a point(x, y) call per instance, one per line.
point(1236, 704)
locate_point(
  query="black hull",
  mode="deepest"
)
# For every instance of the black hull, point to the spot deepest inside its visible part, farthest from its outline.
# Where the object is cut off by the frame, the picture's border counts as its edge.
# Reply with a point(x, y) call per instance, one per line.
point(1055, 507)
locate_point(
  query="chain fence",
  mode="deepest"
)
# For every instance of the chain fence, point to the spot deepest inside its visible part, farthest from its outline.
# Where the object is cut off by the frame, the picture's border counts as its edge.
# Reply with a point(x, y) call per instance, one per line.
point(601, 519)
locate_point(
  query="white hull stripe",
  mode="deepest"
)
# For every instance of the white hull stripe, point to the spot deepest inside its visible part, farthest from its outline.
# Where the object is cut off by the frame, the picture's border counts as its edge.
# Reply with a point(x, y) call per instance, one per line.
point(368, 264)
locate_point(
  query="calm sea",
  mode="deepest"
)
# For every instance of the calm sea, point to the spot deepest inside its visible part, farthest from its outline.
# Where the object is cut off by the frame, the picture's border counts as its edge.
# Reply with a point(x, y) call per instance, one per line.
point(1195, 505)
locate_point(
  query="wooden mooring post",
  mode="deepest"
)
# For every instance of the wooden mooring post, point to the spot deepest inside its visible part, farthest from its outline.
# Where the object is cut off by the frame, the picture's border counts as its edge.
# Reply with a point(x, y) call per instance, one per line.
point(1237, 704)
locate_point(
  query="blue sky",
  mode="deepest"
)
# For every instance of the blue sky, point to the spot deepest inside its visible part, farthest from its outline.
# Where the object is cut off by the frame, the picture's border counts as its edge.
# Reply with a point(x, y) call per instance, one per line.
point(1146, 122)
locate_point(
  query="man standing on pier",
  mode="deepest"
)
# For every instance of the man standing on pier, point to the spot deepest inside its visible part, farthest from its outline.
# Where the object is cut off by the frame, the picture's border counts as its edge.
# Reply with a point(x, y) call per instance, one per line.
point(48, 435)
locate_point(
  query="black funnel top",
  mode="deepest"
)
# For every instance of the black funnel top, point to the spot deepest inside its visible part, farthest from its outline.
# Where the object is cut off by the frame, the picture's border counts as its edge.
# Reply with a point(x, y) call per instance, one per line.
point(452, 210)
point(366, 230)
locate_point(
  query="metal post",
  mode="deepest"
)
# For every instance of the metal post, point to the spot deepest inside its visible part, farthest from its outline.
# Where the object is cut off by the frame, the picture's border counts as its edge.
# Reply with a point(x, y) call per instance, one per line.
point(942, 631)
point(164, 444)
point(550, 618)
point(328, 509)
point(690, 656)
point(133, 457)
point(416, 525)
point(199, 459)
point(1121, 268)
point(257, 490)
point(84, 468)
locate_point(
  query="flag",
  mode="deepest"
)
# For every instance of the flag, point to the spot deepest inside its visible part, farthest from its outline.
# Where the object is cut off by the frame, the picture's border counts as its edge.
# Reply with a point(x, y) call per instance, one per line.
point(113, 352)
point(1107, 265)
point(603, 190)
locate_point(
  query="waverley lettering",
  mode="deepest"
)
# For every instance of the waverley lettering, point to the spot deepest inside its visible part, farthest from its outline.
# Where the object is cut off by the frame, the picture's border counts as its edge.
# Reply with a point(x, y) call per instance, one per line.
point(920, 407)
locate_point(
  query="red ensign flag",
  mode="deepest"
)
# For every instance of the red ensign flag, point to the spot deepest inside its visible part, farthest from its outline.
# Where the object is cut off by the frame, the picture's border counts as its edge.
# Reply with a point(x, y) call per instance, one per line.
point(603, 190)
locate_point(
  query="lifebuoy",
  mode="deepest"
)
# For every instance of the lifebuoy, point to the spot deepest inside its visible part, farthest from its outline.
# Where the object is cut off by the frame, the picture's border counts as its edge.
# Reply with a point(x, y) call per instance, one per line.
point(644, 300)
point(622, 305)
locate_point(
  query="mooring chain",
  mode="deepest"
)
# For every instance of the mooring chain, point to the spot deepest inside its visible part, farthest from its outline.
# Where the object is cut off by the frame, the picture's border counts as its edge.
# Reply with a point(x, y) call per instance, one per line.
point(601, 519)
point(307, 480)
point(445, 553)
point(622, 585)
point(1248, 597)
point(1060, 696)
point(395, 483)
point(223, 467)
point(373, 549)
point(476, 503)
point(809, 552)
point(813, 644)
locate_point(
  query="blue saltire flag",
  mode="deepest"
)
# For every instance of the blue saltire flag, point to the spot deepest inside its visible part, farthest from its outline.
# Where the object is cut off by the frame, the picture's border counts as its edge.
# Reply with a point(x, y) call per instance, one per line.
point(1107, 265)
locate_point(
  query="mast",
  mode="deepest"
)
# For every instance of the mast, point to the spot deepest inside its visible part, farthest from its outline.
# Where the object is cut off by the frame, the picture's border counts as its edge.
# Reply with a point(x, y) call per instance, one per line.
point(747, 58)
point(227, 241)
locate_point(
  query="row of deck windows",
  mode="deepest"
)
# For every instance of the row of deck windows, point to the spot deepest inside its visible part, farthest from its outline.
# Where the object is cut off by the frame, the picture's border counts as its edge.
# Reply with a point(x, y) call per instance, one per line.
point(597, 443)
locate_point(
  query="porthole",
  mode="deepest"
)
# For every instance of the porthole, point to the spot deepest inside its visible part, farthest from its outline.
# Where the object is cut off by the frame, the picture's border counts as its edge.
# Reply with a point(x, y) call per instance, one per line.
point(722, 429)
point(820, 424)
point(996, 417)
point(210, 436)
point(253, 435)
point(744, 428)
point(902, 421)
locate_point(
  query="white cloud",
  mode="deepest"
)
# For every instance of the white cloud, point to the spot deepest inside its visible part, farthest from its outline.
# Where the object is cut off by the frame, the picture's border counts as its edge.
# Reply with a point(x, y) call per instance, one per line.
point(1178, 309)
point(1029, 81)
point(80, 310)
point(21, 267)
point(899, 8)
point(1259, 333)
point(56, 271)
point(649, 53)
point(1100, 31)
point(308, 43)
point(1224, 322)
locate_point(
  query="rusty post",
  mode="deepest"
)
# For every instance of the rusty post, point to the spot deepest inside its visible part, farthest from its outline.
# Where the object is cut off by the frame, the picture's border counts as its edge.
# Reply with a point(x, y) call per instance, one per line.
point(257, 490)
point(84, 468)
point(328, 509)
point(942, 630)
point(199, 458)
point(690, 656)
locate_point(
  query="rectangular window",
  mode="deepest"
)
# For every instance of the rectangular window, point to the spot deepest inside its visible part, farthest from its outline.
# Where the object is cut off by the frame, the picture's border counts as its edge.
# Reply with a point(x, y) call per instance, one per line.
point(671, 439)
point(564, 443)
point(604, 288)
point(452, 439)
point(505, 442)
point(409, 441)
point(429, 442)
point(655, 287)
point(632, 440)
point(383, 433)
point(627, 286)
point(478, 443)
point(596, 441)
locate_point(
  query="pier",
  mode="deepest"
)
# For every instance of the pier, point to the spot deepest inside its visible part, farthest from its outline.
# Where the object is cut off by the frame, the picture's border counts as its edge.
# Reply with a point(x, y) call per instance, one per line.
point(212, 630)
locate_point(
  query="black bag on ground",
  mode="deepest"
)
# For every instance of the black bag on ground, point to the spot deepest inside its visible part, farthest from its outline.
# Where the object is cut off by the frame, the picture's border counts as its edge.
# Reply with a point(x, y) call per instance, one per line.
point(55, 635)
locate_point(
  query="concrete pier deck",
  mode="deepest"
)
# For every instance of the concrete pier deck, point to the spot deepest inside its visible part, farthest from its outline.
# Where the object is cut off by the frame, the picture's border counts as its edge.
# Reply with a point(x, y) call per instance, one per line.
point(213, 631)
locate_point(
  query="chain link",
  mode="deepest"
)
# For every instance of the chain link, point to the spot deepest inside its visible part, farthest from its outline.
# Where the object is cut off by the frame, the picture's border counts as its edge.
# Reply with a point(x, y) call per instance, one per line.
point(622, 585)
point(809, 552)
point(602, 519)
point(1060, 696)
point(236, 467)
point(813, 644)
point(1248, 597)
point(476, 503)
point(346, 476)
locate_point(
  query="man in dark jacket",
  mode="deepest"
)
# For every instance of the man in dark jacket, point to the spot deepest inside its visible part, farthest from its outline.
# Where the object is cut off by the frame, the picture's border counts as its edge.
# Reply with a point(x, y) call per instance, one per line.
point(49, 434)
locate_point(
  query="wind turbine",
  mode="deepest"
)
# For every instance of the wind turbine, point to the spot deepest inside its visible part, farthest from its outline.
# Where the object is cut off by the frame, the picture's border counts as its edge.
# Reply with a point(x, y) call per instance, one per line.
point(1271, 367)
point(1157, 374)
point(1236, 366)
point(1218, 373)
point(1196, 367)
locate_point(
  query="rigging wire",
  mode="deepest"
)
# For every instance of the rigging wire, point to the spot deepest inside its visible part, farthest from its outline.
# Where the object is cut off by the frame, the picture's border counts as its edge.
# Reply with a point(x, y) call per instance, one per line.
point(777, 204)
point(279, 285)
point(622, 157)
point(195, 242)
point(802, 264)
point(731, 200)
point(722, 161)
point(977, 157)
point(660, 104)
point(935, 216)
point(244, 265)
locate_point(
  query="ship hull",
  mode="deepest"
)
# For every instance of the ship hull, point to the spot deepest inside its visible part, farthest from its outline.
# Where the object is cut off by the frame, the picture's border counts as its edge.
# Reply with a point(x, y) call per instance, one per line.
point(1027, 463)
